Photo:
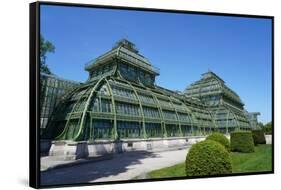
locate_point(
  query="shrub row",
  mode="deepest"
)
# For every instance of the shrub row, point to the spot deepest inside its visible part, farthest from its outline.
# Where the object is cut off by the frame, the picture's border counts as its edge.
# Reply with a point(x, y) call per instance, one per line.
point(212, 157)
point(258, 136)
point(242, 141)
point(208, 158)
point(220, 138)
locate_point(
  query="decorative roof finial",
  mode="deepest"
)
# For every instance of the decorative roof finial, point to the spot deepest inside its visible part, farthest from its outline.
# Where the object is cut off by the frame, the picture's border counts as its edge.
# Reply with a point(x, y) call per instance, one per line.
point(126, 44)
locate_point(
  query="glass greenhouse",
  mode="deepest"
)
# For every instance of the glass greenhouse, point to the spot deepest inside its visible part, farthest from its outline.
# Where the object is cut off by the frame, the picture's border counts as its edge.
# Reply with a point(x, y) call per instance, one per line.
point(225, 105)
point(51, 91)
point(120, 100)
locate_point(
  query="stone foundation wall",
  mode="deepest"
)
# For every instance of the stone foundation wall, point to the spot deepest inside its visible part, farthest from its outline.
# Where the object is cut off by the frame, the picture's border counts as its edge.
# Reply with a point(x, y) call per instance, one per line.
point(69, 150)
point(268, 139)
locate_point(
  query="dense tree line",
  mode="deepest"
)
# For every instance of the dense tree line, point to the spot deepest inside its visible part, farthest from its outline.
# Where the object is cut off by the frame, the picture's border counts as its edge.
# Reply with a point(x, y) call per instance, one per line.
point(45, 47)
point(267, 128)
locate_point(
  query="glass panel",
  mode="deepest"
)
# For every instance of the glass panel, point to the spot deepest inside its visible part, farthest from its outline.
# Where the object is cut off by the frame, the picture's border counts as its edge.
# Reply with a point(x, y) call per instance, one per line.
point(151, 112)
point(169, 115)
point(146, 98)
point(153, 130)
point(105, 105)
point(125, 93)
point(102, 129)
point(186, 130)
point(172, 130)
point(127, 129)
point(183, 117)
point(128, 109)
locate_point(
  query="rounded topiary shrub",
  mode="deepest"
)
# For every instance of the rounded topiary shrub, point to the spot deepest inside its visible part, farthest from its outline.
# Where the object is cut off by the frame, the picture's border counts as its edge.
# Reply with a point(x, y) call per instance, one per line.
point(258, 136)
point(242, 141)
point(207, 158)
point(220, 138)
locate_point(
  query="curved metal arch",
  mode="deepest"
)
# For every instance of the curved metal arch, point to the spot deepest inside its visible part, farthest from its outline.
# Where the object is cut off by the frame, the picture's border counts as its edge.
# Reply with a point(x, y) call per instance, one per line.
point(141, 109)
point(179, 123)
point(66, 128)
point(140, 104)
point(159, 110)
point(212, 118)
point(163, 124)
point(115, 134)
point(190, 116)
point(87, 105)
point(70, 93)
point(61, 101)
point(200, 123)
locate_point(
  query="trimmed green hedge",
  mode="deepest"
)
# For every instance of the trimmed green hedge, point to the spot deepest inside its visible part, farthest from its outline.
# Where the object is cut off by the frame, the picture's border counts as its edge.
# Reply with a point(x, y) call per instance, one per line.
point(242, 141)
point(258, 136)
point(220, 138)
point(207, 158)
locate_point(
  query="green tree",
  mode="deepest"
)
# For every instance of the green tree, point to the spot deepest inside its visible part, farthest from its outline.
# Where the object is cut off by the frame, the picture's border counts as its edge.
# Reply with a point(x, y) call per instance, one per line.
point(45, 47)
point(260, 125)
point(268, 128)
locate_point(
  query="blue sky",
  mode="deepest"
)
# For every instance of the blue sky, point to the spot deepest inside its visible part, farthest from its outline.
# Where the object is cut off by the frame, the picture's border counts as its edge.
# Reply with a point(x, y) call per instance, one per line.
point(183, 46)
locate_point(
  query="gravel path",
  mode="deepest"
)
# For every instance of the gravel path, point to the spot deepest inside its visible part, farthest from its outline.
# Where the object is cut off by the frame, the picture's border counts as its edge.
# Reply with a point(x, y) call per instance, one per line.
point(123, 166)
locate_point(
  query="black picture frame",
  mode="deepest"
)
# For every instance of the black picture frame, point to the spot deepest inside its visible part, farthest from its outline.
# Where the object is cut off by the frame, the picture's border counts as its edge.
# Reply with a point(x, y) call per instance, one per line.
point(34, 92)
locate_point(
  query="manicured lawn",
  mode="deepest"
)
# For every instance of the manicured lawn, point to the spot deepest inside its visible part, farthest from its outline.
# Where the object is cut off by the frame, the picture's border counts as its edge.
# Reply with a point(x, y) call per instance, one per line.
point(260, 160)
point(173, 171)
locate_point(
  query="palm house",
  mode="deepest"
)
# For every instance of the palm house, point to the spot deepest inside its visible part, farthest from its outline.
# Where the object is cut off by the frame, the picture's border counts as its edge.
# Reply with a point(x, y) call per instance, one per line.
point(120, 101)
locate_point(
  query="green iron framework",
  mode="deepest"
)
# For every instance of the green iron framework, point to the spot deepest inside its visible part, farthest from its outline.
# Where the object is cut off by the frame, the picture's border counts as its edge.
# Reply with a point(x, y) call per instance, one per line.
point(121, 101)
point(52, 90)
point(224, 104)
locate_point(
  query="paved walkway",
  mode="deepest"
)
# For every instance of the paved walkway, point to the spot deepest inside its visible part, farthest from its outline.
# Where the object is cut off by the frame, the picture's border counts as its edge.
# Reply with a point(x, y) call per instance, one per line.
point(123, 166)
point(55, 162)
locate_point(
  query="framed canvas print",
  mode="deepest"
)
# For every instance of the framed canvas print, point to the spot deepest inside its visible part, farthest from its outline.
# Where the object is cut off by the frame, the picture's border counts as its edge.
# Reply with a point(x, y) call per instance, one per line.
point(121, 94)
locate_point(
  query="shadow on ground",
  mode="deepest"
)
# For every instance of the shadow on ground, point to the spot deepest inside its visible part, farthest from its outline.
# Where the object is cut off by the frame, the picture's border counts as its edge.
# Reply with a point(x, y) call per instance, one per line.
point(94, 170)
